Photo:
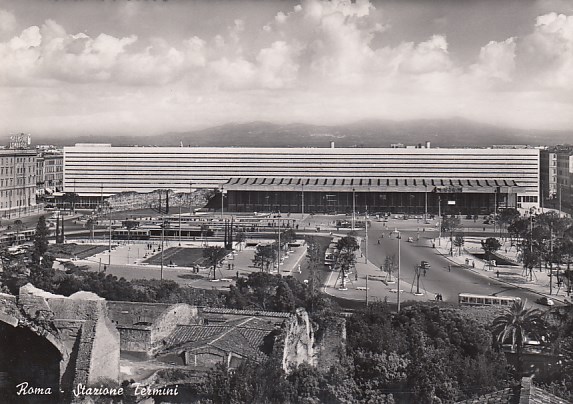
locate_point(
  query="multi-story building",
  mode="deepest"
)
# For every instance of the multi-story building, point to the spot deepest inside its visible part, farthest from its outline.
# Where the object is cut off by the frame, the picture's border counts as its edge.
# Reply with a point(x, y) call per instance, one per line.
point(548, 174)
point(50, 171)
point(565, 179)
point(17, 181)
point(556, 176)
point(321, 179)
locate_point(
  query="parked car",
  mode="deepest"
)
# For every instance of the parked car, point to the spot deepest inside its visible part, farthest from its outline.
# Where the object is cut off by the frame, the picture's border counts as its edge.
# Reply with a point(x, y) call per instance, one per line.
point(545, 301)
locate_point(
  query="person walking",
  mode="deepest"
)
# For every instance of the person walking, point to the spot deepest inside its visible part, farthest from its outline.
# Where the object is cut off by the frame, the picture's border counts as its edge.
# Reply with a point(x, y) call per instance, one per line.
point(449, 267)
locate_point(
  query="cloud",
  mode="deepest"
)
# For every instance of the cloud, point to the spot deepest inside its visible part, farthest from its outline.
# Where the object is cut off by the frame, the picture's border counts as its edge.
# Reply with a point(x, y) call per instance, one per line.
point(496, 60)
point(7, 21)
point(547, 53)
point(318, 61)
point(277, 66)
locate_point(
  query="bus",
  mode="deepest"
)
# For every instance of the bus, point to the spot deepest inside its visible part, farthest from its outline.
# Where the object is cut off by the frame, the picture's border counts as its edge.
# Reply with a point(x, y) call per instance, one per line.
point(470, 299)
point(330, 257)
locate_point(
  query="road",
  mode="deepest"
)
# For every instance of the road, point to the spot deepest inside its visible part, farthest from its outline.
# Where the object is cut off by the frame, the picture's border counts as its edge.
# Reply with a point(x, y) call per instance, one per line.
point(438, 279)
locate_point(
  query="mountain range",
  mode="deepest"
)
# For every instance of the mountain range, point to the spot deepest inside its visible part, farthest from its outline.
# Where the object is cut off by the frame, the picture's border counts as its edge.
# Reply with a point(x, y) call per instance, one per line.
point(368, 133)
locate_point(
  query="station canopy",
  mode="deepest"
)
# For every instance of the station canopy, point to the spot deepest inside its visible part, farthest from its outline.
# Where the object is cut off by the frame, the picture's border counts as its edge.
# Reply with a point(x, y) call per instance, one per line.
point(322, 184)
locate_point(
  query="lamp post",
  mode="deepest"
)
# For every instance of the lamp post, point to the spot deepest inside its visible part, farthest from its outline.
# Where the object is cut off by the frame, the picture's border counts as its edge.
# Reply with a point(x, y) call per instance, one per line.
point(425, 204)
point(190, 199)
point(440, 220)
point(109, 256)
point(366, 238)
point(302, 214)
point(222, 200)
point(398, 283)
point(162, 240)
point(353, 207)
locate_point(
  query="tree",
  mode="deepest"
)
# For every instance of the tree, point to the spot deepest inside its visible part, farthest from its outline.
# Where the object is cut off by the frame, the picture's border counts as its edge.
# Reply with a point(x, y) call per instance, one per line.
point(18, 226)
point(314, 259)
point(451, 224)
point(70, 199)
point(214, 255)
point(265, 255)
point(90, 224)
point(41, 238)
point(517, 323)
point(240, 238)
point(390, 264)
point(459, 242)
point(283, 300)
point(490, 245)
point(346, 255)
point(507, 217)
point(130, 225)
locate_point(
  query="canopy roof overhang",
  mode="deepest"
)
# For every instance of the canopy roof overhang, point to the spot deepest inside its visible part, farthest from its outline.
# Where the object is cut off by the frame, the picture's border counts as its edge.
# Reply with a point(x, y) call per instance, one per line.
point(315, 184)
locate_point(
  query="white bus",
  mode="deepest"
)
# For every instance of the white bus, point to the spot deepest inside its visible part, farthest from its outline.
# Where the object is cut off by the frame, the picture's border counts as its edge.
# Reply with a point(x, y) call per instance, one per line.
point(470, 299)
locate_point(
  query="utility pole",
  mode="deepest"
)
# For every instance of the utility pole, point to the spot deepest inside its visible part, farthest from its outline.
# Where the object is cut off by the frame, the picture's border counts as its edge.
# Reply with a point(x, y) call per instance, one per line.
point(162, 240)
point(440, 220)
point(353, 207)
point(179, 224)
point(425, 204)
point(494, 209)
point(560, 186)
point(366, 238)
point(550, 260)
point(398, 291)
point(302, 215)
point(366, 290)
point(222, 200)
point(190, 199)
point(418, 280)
point(109, 257)
point(279, 255)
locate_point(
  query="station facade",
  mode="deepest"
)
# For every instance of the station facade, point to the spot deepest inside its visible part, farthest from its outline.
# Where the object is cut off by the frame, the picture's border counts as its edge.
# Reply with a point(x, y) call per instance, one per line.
point(320, 180)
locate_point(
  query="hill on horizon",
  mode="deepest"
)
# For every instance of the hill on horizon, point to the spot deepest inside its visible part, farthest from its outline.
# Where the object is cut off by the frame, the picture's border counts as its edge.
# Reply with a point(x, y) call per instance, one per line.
point(368, 133)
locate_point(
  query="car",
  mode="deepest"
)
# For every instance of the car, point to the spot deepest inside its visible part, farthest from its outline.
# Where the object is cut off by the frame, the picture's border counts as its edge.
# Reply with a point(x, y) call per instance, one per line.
point(545, 301)
point(410, 239)
point(425, 265)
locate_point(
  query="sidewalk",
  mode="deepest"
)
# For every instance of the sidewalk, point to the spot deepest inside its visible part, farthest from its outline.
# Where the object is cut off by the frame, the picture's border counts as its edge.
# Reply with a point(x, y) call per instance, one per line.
point(378, 288)
point(511, 274)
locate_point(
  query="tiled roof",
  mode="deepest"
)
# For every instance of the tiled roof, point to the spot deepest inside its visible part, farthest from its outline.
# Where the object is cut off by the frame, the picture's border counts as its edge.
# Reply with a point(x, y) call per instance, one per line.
point(525, 393)
point(505, 396)
point(242, 336)
point(259, 313)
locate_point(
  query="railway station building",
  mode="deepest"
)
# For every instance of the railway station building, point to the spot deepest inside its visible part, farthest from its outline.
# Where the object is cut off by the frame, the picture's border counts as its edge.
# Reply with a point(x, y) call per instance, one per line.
point(316, 180)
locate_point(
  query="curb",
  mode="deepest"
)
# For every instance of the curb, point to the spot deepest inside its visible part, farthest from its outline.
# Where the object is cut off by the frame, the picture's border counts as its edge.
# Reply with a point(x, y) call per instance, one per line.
point(558, 298)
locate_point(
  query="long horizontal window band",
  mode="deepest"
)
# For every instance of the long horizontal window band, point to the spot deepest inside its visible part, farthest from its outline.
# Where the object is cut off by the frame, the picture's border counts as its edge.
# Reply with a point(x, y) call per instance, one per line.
point(211, 165)
point(365, 152)
point(314, 160)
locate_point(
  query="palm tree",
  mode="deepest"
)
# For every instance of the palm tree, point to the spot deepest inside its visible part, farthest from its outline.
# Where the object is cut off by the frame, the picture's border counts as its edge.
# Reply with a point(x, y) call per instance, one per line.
point(517, 323)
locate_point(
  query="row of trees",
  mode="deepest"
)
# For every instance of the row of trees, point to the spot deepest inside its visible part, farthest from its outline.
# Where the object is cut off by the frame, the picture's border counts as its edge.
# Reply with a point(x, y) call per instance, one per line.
point(544, 241)
point(267, 255)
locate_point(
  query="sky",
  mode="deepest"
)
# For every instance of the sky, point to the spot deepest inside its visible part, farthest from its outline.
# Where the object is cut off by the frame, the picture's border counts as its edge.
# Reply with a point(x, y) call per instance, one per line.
point(145, 67)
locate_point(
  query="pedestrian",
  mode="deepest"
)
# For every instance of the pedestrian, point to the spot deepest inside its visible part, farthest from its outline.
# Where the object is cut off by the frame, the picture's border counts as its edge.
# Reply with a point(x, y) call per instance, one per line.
point(378, 241)
point(424, 271)
point(473, 264)
point(449, 267)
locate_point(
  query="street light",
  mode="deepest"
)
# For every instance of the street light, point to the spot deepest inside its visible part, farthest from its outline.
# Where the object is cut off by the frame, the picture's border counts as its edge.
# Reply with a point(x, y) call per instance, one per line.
point(353, 207)
point(222, 200)
point(162, 240)
point(302, 215)
point(398, 291)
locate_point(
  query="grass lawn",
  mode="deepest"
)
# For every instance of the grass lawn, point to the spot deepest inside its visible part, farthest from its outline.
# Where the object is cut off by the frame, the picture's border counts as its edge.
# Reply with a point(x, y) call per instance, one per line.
point(182, 257)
